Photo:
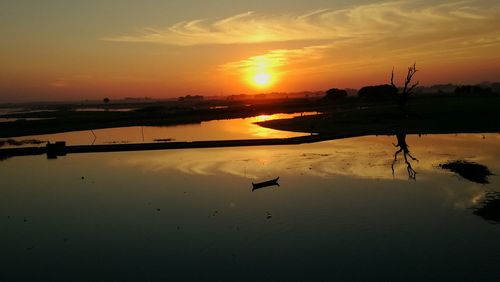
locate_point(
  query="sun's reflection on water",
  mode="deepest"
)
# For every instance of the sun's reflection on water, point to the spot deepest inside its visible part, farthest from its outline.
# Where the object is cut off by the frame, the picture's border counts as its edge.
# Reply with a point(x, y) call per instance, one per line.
point(366, 157)
point(334, 194)
point(363, 158)
point(231, 129)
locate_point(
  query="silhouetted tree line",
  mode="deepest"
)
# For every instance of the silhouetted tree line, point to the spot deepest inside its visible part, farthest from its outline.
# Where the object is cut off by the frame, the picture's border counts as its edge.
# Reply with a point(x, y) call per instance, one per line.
point(485, 88)
point(335, 94)
point(402, 94)
point(383, 91)
point(473, 90)
point(191, 98)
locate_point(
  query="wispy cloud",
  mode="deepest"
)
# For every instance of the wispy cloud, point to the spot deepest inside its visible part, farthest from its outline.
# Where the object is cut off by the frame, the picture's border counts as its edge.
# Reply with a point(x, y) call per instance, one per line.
point(279, 60)
point(370, 21)
point(280, 57)
point(439, 32)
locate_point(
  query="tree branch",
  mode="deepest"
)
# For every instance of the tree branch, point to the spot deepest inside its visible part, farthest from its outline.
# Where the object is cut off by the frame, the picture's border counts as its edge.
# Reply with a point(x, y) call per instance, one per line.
point(392, 78)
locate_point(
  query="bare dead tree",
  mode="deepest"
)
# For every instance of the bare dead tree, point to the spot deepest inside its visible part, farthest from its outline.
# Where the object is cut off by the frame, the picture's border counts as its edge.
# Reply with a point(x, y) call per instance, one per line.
point(405, 149)
point(408, 87)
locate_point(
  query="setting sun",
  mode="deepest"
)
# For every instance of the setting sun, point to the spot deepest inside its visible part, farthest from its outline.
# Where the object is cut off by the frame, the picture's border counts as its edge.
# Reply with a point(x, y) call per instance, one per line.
point(303, 139)
point(260, 71)
point(262, 79)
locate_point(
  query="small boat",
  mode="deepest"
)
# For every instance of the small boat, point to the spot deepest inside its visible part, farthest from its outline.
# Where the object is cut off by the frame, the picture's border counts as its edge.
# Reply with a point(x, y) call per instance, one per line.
point(272, 182)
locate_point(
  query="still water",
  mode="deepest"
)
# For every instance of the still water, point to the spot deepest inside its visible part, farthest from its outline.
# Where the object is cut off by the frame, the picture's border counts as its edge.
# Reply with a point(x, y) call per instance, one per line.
point(340, 213)
point(230, 129)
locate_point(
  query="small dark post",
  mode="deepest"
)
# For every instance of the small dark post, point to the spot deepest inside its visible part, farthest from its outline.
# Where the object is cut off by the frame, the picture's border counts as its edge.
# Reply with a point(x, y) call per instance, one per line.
point(56, 149)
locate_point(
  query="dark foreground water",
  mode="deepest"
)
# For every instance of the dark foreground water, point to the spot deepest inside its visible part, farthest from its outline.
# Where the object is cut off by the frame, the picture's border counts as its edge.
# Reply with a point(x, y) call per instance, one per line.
point(340, 214)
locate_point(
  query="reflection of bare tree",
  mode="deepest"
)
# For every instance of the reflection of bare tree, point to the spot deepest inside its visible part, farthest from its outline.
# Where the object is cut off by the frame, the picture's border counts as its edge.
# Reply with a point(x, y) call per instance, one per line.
point(404, 148)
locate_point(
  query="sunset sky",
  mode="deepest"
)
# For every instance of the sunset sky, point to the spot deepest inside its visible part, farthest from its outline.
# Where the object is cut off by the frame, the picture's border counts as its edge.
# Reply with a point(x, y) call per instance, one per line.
point(77, 50)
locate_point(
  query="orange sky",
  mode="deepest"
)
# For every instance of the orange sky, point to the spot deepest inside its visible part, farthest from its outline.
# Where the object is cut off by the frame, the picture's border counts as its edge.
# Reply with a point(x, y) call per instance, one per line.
point(57, 50)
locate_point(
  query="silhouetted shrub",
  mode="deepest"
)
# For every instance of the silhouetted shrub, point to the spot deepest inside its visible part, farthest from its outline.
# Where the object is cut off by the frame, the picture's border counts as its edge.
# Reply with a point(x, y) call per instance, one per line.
point(384, 91)
point(335, 94)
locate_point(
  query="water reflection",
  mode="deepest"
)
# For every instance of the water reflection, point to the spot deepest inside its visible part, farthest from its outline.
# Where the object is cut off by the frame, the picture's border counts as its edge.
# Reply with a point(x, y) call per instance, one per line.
point(12, 142)
point(341, 207)
point(489, 208)
point(231, 129)
point(364, 157)
point(3, 158)
point(405, 149)
point(471, 171)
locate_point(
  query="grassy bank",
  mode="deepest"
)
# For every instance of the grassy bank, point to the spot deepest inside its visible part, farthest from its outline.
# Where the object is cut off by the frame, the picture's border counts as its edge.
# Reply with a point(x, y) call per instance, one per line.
point(349, 117)
point(423, 115)
point(158, 114)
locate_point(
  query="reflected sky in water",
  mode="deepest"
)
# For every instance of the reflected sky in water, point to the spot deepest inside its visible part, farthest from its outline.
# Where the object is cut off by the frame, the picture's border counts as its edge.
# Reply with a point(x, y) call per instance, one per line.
point(192, 215)
point(368, 157)
point(229, 129)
